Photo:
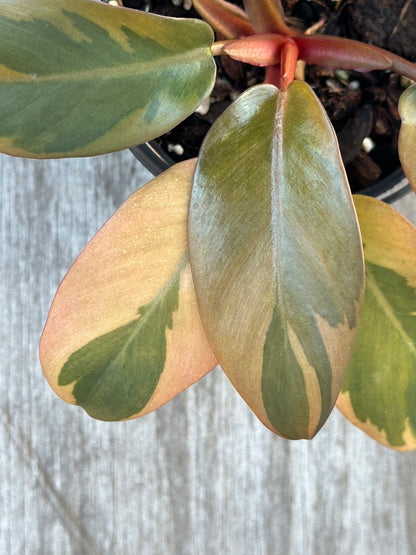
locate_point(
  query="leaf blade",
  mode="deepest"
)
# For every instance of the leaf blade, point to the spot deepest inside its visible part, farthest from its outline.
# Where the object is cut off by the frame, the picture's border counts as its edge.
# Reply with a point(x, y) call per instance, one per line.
point(112, 361)
point(97, 349)
point(255, 216)
point(379, 390)
point(90, 78)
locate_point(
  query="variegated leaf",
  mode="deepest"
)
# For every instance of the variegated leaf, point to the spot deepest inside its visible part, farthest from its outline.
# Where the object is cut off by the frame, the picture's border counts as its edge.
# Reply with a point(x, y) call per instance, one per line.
point(81, 78)
point(379, 392)
point(276, 256)
point(123, 334)
point(407, 136)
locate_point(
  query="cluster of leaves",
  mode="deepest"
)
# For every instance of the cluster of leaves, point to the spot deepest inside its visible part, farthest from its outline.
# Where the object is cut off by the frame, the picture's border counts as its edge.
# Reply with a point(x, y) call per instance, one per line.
point(251, 256)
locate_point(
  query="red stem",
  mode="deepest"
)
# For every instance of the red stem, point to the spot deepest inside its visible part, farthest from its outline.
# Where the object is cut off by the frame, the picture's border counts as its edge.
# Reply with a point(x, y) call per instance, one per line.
point(273, 76)
point(402, 66)
point(257, 50)
point(288, 59)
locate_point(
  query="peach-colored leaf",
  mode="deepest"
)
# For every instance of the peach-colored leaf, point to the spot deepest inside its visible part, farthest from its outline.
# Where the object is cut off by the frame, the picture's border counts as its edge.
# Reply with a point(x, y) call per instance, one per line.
point(123, 335)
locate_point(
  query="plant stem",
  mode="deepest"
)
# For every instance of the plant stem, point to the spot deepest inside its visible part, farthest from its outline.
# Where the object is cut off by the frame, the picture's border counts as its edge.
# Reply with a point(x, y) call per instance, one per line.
point(266, 16)
point(289, 57)
point(402, 66)
point(273, 76)
point(227, 20)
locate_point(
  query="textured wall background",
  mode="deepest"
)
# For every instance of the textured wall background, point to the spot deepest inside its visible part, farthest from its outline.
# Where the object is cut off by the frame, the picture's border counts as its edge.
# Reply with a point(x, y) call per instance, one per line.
point(199, 476)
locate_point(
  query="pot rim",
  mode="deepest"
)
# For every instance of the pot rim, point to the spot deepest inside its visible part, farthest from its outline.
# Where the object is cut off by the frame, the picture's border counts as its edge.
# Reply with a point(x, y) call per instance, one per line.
point(389, 189)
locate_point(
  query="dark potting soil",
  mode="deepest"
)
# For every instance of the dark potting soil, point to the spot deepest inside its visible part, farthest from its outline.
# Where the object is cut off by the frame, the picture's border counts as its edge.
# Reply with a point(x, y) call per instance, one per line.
point(362, 107)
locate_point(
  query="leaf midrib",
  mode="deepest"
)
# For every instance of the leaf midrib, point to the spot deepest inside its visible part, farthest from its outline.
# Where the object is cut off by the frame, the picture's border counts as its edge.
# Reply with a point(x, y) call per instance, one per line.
point(277, 209)
point(111, 71)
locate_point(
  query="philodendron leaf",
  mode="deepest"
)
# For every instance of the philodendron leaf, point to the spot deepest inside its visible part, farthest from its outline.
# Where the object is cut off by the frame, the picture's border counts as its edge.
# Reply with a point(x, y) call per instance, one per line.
point(379, 392)
point(81, 78)
point(276, 255)
point(123, 334)
point(407, 136)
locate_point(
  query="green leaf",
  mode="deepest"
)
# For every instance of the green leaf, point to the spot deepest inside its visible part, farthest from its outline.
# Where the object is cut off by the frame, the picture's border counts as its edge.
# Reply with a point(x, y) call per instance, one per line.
point(116, 374)
point(276, 255)
point(82, 78)
point(123, 335)
point(379, 392)
point(407, 136)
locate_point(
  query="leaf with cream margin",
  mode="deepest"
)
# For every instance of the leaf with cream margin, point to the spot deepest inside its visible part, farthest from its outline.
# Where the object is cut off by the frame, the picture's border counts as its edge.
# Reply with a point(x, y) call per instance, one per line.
point(79, 78)
point(276, 255)
point(123, 335)
point(407, 136)
point(379, 392)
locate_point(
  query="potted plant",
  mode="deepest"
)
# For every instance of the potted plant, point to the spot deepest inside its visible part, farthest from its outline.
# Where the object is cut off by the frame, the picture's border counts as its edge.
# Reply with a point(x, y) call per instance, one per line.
point(362, 106)
point(251, 256)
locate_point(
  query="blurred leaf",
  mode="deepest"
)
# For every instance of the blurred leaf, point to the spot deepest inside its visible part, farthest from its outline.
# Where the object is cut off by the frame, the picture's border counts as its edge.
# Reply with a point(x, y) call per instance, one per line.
point(276, 255)
point(228, 20)
point(407, 137)
point(379, 392)
point(123, 334)
point(267, 16)
point(81, 78)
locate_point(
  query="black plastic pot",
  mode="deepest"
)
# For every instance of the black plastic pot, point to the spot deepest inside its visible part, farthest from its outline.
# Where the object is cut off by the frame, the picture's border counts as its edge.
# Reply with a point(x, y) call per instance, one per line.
point(389, 189)
point(152, 157)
